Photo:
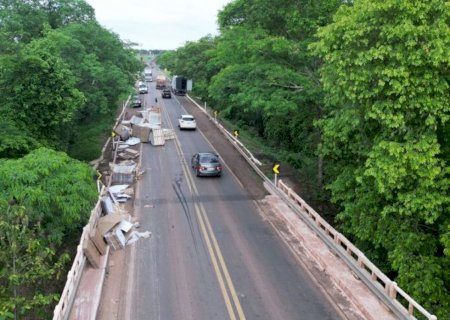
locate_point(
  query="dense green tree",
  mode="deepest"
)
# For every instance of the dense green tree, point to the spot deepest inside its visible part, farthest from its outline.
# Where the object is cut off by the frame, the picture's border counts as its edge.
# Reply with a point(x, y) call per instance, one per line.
point(16, 141)
point(62, 74)
point(47, 198)
point(102, 78)
point(57, 191)
point(190, 60)
point(259, 73)
point(386, 75)
point(41, 92)
point(22, 21)
point(28, 266)
point(266, 74)
point(167, 60)
point(65, 12)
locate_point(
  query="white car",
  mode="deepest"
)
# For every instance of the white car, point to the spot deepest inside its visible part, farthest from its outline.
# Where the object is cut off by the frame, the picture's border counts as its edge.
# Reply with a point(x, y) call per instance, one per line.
point(186, 121)
point(143, 88)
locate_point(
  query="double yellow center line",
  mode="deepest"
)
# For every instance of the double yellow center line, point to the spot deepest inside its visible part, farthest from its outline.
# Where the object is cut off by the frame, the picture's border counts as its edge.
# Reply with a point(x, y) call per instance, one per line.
point(227, 289)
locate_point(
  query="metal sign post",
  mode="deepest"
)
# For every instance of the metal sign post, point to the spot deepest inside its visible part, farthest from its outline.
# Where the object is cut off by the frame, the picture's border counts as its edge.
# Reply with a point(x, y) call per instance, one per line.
point(236, 133)
point(276, 170)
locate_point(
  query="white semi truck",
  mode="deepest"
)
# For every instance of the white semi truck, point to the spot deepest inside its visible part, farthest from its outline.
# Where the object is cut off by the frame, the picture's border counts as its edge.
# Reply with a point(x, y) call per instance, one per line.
point(148, 75)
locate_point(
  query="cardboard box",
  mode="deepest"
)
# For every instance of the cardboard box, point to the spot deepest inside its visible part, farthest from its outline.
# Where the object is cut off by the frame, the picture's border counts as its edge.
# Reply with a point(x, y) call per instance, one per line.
point(98, 241)
point(91, 253)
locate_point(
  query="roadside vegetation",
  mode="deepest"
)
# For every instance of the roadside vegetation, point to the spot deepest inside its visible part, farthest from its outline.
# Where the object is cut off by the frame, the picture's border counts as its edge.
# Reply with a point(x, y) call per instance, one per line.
point(356, 95)
point(62, 77)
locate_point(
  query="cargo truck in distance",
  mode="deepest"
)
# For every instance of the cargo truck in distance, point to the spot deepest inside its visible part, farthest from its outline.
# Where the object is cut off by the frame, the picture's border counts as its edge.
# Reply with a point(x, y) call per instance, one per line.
point(180, 85)
point(160, 81)
point(148, 75)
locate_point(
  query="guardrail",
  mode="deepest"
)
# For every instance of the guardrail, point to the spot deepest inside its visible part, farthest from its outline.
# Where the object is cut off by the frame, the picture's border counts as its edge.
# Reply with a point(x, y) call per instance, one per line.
point(64, 306)
point(384, 288)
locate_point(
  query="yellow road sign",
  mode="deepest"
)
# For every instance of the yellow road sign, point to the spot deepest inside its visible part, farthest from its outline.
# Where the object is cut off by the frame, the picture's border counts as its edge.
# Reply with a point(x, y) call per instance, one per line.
point(276, 168)
point(236, 133)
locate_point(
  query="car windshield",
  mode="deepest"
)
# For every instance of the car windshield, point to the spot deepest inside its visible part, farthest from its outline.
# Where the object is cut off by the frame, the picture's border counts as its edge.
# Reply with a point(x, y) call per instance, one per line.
point(208, 159)
point(188, 118)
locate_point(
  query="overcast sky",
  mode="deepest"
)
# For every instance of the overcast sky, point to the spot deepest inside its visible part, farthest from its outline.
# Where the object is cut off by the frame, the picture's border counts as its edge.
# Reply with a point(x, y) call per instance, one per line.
point(159, 24)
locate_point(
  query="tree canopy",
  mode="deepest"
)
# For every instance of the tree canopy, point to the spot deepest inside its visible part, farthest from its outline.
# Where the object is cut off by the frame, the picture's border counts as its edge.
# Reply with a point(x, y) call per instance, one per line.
point(46, 200)
point(386, 79)
point(61, 76)
point(62, 73)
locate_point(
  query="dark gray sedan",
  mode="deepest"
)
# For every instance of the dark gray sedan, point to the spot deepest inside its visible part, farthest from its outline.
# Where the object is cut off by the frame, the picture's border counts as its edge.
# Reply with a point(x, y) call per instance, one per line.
point(206, 164)
point(136, 102)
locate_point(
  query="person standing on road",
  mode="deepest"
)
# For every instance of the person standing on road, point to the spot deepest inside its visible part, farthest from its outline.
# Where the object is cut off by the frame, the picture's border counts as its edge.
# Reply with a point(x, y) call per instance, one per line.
point(156, 100)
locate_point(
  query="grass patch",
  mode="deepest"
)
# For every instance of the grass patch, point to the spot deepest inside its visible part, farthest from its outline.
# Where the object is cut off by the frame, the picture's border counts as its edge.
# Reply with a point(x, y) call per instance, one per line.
point(294, 166)
point(253, 142)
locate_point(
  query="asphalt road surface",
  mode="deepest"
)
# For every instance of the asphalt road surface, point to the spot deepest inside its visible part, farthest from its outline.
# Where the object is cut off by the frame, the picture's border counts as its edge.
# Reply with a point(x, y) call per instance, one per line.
point(211, 254)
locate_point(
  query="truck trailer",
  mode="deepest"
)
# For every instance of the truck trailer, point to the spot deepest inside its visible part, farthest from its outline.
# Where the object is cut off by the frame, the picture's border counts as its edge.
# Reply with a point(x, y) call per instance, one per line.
point(180, 85)
point(160, 81)
point(148, 75)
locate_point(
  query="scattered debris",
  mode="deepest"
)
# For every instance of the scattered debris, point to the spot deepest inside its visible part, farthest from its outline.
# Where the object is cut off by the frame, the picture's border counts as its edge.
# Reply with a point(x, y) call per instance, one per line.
point(108, 222)
point(123, 131)
point(169, 134)
point(136, 120)
point(118, 188)
point(152, 116)
point(126, 123)
point(135, 236)
point(142, 131)
point(107, 205)
point(133, 141)
point(120, 193)
point(116, 228)
point(122, 145)
point(123, 172)
point(128, 154)
point(123, 234)
point(125, 226)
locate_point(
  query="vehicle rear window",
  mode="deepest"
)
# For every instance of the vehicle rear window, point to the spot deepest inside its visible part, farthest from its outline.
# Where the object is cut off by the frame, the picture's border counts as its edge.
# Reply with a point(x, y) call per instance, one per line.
point(208, 159)
point(188, 118)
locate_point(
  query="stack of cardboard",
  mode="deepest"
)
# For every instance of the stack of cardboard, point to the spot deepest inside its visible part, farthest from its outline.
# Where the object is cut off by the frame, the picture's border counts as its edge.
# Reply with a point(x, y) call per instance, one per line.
point(123, 172)
point(157, 137)
point(128, 153)
point(142, 131)
point(118, 230)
